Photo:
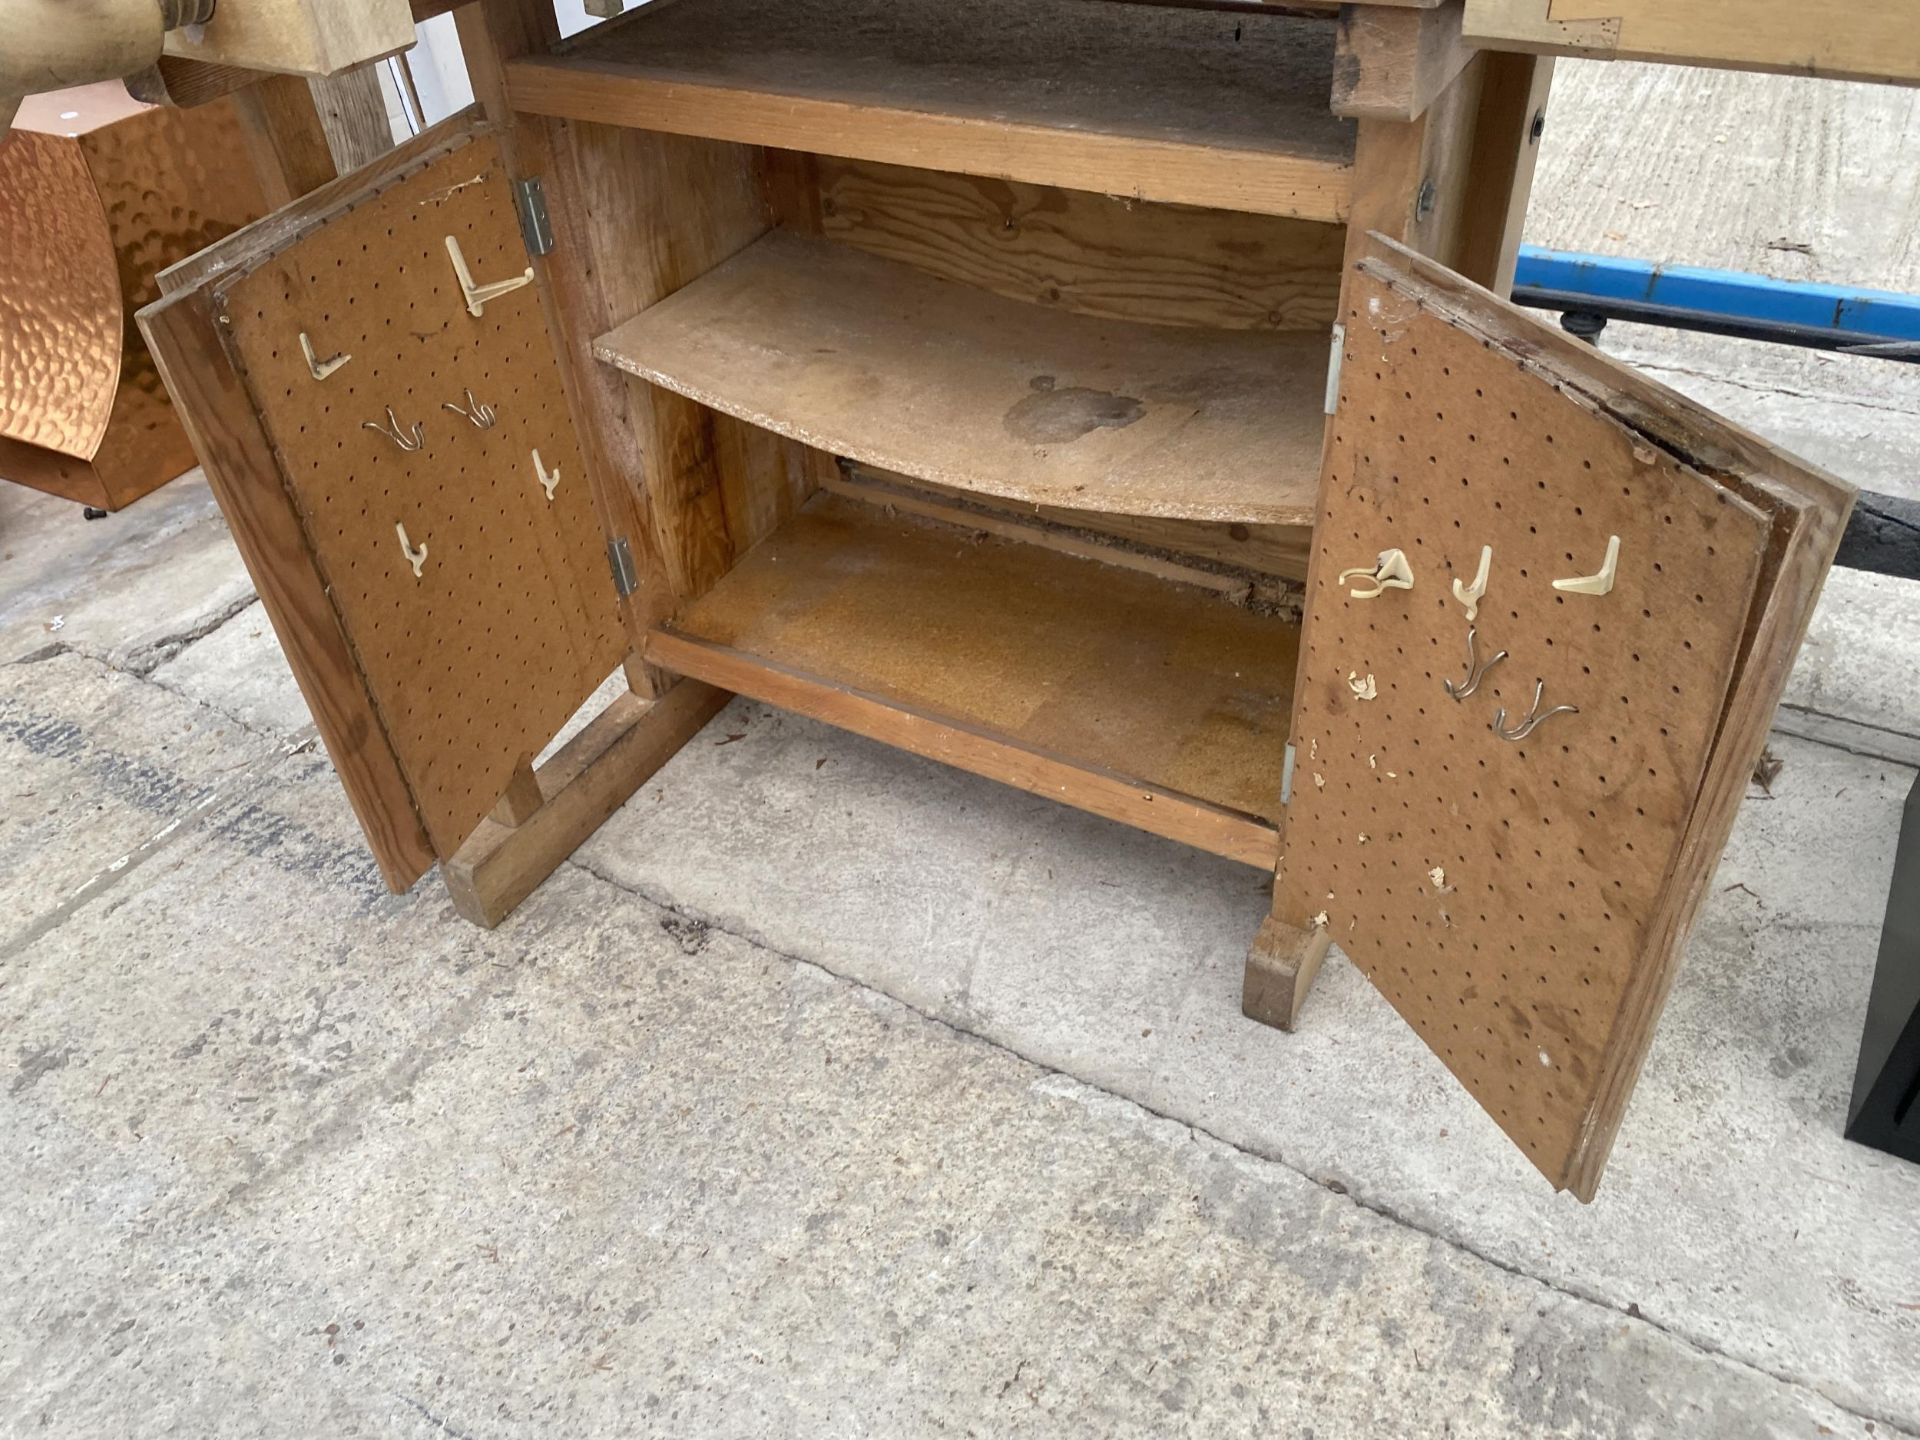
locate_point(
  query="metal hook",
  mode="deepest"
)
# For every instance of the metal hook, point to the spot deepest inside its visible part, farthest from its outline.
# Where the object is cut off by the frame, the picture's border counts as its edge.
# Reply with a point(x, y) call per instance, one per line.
point(317, 367)
point(1390, 572)
point(394, 433)
point(1476, 672)
point(1535, 718)
point(482, 416)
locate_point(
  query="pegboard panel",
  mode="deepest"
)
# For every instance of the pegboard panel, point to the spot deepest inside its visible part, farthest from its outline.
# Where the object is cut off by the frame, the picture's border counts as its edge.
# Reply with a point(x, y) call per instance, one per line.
point(1504, 894)
point(474, 664)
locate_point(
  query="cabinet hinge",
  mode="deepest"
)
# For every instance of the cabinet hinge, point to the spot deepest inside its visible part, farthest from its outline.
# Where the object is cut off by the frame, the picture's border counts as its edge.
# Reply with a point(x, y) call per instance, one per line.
point(531, 201)
point(1286, 777)
point(620, 560)
point(1333, 368)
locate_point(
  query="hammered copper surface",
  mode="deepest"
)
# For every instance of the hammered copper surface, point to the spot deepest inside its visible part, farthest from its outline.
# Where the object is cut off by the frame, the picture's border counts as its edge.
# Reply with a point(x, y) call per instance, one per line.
point(60, 318)
point(87, 221)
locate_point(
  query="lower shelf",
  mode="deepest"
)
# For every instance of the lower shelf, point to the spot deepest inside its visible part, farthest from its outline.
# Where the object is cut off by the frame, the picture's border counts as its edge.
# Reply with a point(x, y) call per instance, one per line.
point(1153, 703)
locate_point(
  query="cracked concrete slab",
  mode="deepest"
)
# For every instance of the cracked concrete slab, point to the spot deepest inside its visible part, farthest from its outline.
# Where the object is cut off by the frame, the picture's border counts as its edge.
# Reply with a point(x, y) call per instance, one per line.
point(93, 767)
point(298, 1155)
point(239, 670)
point(351, 1164)
point(133, 589)
point(1733, 1212)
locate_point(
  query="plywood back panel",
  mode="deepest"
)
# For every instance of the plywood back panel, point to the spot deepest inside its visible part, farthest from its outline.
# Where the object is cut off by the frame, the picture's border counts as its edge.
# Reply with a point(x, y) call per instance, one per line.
point(476, 662)
point(1508, 898)
point(1087, 253)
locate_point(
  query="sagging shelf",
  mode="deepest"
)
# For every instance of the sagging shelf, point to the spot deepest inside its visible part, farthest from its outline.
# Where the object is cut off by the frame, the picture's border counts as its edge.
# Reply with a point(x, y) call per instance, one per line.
point(881, 362)
point(1154, 703)
point(1194, 106)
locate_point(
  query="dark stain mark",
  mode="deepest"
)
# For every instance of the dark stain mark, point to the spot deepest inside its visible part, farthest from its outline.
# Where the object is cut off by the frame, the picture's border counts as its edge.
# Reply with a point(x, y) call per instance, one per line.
point(689, 934)
point(35, 1065)
point(1051, 416)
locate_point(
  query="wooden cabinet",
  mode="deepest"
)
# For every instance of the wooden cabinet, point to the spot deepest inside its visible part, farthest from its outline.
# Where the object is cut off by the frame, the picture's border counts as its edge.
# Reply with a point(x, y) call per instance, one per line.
point(1061, 389)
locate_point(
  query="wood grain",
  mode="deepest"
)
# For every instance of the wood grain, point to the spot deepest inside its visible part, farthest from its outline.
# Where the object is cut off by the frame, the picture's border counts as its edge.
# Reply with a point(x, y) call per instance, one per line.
point(303, 37)
point(1112, 796)
point(222, 419)
point(1840, 39)
point(875, 360)
point(478, 659)
point(1105, 669)
point(1152, 102)
point(1392, 64)
point(1086, 253)
point(590, 777)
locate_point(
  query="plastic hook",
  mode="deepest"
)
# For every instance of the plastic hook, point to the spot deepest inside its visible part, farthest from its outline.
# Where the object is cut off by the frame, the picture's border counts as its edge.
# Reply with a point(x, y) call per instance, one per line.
point(1390, 572)
point(1471, 595)
point(1600, 584)
point(317, 367)
point(417, 558)
point(548, 478)
point(477, 296)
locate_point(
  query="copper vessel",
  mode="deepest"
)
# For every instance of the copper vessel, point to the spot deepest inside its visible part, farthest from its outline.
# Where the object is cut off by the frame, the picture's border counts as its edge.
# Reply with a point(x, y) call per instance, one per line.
point(98, 194)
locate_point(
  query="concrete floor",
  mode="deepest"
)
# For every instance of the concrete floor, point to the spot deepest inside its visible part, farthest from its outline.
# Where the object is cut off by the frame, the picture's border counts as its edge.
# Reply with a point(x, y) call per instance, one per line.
point(829, 1092)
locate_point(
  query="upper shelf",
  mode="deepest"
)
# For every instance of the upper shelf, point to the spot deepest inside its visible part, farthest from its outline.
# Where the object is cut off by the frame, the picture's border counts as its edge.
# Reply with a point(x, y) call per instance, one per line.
point(878, 361)
point(1201, 107)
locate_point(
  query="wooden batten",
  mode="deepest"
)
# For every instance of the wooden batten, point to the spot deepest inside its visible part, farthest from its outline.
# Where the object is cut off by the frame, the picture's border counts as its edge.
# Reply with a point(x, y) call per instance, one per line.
point(1169, 103)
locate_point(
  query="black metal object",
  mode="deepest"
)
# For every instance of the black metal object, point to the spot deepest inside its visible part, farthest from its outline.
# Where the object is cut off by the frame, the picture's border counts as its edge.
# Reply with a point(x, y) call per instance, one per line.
point(1597, 310)
point(1883, 537)
point(1885, 1112)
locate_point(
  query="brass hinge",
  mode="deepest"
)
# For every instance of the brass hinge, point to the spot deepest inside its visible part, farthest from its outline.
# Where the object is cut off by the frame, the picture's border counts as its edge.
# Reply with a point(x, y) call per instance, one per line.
point(535, 229)
point(620, 560)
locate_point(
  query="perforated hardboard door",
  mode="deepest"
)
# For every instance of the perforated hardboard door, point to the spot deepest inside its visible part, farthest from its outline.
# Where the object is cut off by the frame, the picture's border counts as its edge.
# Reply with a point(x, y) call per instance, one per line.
point(1516, 877)
point(428, 453)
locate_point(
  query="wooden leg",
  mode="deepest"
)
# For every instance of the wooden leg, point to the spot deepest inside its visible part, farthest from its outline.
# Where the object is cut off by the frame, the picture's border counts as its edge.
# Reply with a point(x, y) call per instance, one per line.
point(589, 779)
point(1281, 967)
point(522, 797)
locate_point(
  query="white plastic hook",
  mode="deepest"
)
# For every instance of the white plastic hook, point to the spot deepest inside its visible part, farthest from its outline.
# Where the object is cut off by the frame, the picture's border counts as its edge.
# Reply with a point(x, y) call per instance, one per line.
point(416, 558)
point(548, 479)
point(317, 367)
point(1600, 584)
point(477, 296)
point(1471, 595)
point(1390, 572)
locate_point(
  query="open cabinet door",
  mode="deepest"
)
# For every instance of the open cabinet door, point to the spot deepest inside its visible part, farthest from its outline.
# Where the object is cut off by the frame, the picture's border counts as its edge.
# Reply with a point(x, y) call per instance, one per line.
point(1516, 877)
point(369, 380)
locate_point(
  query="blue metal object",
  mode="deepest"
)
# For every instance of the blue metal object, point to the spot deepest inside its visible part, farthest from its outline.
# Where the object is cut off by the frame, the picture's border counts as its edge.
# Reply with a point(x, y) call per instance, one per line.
point(1829, 317)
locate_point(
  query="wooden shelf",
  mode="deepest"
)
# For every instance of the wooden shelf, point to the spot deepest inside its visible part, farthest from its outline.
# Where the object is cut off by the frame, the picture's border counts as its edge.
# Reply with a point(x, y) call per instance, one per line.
point(1197, 106)
point(878, 361)
point(1153, 703)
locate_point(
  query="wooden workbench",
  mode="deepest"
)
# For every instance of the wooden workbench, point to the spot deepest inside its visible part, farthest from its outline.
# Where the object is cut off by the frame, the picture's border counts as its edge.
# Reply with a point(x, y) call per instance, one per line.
point(1115, 400)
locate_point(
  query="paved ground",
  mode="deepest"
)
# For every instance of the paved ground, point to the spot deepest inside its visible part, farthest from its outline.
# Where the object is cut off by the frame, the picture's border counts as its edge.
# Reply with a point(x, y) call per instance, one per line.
point(830, 1092)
